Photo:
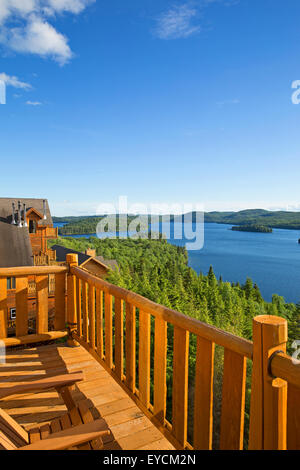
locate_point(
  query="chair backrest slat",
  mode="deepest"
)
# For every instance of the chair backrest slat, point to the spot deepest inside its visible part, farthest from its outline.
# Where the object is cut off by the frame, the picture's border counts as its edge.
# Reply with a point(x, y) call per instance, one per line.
point(6, 443)
point(12, 431)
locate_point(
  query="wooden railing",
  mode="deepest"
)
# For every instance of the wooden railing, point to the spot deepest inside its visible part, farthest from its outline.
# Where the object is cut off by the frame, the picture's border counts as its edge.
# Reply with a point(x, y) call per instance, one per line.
point(45, 259)
point(107, 319)
point(51, 286)
point(27, 278)
point(110, 322)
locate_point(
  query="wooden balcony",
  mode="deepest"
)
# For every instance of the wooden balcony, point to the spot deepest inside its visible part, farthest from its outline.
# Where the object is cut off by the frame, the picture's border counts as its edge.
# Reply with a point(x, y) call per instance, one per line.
point(130, 428)
point(124, 343)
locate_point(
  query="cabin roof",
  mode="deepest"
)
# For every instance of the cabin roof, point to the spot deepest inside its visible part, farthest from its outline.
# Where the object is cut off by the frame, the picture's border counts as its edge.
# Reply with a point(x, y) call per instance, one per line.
point(31, 203)
point(62, 252)
point(15, 246)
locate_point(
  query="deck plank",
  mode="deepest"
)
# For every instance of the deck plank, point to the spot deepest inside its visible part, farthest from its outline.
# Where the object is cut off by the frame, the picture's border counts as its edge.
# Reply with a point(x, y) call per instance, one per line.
point(130, 428)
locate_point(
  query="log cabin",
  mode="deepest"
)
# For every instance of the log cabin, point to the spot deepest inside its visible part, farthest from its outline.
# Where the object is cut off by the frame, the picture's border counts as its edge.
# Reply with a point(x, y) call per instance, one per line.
point(25, 227)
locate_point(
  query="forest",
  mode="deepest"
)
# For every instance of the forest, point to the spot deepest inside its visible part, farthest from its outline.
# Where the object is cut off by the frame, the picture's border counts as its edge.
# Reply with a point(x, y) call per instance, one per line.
point(159, 271)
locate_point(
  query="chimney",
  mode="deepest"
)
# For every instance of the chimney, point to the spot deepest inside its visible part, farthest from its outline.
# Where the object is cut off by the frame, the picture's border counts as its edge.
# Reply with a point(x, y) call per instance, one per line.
point(24, 215)
point(13, 220)
point(19, 216)
point(44, 203)
point(91, 252)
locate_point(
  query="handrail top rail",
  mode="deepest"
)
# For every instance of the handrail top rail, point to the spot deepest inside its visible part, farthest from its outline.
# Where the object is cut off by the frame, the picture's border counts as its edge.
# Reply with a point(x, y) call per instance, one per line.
point(287, 368)
point(23, 271)
point(225, 339)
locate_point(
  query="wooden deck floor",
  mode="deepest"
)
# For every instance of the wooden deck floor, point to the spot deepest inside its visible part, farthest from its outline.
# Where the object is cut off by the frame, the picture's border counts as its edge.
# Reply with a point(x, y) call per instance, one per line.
point(130, 428)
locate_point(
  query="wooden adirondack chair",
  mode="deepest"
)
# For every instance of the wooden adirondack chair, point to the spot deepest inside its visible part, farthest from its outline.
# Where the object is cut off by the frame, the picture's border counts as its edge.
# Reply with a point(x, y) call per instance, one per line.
point(75, 429)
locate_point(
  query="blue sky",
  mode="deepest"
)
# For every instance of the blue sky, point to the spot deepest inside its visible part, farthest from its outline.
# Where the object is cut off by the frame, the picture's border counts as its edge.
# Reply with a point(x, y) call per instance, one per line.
point(161, 101)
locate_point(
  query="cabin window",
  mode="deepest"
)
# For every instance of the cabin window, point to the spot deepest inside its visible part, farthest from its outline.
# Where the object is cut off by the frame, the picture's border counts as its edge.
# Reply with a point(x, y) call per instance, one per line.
point(32, 226)
point(11, 283)
point(13, 313)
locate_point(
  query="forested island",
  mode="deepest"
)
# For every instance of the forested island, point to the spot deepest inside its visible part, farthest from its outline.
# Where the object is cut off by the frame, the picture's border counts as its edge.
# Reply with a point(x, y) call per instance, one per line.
point(252, 228)
point(159, 271)
point(82, 225)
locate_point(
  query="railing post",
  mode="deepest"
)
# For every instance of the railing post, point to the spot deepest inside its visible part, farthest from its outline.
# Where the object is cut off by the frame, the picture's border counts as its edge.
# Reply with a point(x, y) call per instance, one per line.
point(268, 394)
point(72, 260)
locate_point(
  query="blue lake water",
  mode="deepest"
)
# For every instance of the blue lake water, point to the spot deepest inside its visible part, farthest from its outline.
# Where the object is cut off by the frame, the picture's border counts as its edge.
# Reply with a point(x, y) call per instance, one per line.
point(272, 260)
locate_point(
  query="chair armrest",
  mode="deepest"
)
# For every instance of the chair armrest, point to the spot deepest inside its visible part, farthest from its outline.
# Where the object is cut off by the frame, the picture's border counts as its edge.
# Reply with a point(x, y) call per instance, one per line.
point(71, 437)
point(58, 381)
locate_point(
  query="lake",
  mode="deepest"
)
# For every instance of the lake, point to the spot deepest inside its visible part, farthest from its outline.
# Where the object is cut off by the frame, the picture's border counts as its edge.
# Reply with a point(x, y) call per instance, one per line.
point(272, 260)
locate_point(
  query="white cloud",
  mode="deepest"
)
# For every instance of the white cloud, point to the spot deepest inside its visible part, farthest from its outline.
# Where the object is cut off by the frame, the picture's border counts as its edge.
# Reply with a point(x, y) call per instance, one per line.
point(182, 21)
point(19, 8)
point(39, 37)
point(34, 103)
point(10, 80)
point(73, 6)
point(25, 26)
point(177, 23)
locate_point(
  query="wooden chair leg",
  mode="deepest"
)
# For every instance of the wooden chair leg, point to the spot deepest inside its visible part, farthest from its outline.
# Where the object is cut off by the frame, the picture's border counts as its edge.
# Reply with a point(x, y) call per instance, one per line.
point(66, 395)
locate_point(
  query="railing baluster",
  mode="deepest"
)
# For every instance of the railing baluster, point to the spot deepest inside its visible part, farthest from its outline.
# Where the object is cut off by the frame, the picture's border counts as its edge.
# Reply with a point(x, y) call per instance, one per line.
point(130, 346)
point(79, 309)
point(3, 307)
point(41, 304)
point(99, 319)
point(160, 369)
point(180, 385)
point(203, 404)
point(144, 357)
point(119, 338)
point(293, 418)
point(85, 312)
point(21, 306)
point(279, 414)
point(72, 260)
point(60, 302)
point(233, 401)
point(108, 330)
point(92, 316)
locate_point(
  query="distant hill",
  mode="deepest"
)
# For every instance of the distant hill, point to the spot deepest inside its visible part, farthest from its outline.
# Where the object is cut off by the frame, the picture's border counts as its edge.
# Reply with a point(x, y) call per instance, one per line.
point(70, 218)
point(261, 217)
point(274, 219)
